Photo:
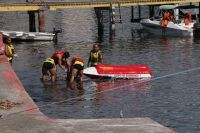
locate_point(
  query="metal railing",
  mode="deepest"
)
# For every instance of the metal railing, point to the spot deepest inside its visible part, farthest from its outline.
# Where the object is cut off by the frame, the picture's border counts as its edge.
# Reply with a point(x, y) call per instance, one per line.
point(58, 5)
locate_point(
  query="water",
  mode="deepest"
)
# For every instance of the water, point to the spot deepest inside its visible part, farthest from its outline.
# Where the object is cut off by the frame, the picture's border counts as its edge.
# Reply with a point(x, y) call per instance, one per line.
point(171, 101)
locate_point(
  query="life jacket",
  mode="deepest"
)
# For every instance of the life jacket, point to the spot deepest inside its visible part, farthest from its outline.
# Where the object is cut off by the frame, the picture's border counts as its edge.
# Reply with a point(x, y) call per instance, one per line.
point(77, 60)
point(164, 23)
point(188, 18)
point(94, 56)
point(11, 50)
point(50, 60)
point(186, 21)
point(170, 17)
point(166, 16)
point(55, 56)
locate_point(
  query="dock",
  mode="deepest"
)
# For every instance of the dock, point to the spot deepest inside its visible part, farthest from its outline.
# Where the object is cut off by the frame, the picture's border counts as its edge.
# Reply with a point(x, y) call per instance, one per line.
point(112, 6)
point(85, 4)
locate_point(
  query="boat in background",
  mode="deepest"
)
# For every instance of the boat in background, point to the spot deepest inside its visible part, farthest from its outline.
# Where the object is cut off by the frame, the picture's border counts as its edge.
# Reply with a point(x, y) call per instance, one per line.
point(104, 71)
point(172, 29)
point(177, 27)
point(29, 36)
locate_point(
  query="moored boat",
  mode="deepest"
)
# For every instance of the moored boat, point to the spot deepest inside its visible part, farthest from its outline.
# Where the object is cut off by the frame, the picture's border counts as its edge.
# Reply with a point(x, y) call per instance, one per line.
point(175, 27)
point(102, 71)
point(29, 36)
point(172, 29)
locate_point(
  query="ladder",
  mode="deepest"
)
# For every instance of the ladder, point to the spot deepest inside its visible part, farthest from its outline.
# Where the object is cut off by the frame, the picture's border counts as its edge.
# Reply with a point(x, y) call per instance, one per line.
point(116, 16)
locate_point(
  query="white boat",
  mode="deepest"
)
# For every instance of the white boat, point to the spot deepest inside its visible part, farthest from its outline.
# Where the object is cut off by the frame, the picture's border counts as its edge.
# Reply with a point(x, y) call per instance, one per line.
point(29, 36)
point(174, 28)
point(104, 71)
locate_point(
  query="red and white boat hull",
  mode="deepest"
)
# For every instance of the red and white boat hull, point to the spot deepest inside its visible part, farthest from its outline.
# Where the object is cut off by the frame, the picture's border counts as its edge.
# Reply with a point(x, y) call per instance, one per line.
point(102, 71)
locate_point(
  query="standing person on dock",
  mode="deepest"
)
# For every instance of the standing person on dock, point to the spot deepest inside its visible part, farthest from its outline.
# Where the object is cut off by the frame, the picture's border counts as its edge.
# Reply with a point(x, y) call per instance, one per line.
point(49, 68)
point(61, 59)
point(95, 56)
point(77, 65)
point(9, 50)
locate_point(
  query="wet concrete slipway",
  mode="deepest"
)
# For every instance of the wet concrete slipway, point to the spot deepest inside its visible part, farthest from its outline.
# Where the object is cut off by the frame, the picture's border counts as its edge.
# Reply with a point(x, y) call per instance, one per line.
point(171, 98)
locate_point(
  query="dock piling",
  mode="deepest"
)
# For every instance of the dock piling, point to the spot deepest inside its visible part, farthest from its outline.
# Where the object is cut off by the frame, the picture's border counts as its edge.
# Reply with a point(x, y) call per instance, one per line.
point(199, 13)
point(139, 12)
point(132, 14)
point(151, 11)
point(41, 20)
point(99, 15)
point(32, 27)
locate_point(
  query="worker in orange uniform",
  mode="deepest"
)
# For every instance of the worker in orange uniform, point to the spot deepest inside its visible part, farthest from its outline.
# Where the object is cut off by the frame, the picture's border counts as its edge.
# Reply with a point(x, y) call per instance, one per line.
point(77, 65)
point(61, 59)
point(166, 17)
point(188, 18)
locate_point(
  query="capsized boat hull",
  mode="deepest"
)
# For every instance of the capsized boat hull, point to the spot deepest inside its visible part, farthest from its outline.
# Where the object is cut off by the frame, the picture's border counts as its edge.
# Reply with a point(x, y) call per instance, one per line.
point(172, 29)
point(103, 71)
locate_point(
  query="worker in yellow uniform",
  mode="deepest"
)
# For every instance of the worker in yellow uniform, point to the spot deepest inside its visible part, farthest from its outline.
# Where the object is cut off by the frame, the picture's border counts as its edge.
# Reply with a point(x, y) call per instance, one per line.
point(77, 65)
point(95, 56)
point(9, 49)
point(49, 68)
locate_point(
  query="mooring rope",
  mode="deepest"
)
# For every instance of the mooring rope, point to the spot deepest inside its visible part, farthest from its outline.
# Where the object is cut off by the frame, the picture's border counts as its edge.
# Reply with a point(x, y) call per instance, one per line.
point(108, 90)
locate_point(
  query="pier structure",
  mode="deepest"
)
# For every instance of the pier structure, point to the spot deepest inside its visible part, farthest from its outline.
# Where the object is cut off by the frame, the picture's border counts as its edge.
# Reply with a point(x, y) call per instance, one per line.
point(113, 6)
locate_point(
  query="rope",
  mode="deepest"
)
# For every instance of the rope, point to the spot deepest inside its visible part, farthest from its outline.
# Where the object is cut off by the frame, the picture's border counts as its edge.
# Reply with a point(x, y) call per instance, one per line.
point(112, 89)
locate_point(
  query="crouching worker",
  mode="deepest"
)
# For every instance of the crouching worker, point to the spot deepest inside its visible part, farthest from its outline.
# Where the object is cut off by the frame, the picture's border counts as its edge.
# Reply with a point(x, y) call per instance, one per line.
point(49, 68)
point(61, 59)
point(77, 65)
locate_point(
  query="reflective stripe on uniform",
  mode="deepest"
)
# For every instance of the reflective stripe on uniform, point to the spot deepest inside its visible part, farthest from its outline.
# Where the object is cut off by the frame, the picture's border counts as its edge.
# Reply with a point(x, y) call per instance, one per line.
point(78, 62)
point(50, 60)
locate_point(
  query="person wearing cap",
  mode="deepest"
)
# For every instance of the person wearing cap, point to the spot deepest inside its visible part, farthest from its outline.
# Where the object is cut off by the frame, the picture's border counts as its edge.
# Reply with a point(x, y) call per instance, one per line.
point(61, 58)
